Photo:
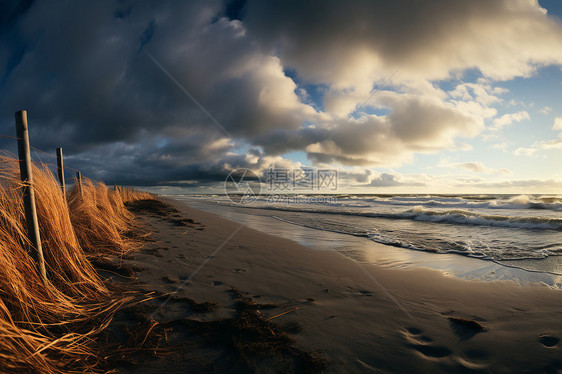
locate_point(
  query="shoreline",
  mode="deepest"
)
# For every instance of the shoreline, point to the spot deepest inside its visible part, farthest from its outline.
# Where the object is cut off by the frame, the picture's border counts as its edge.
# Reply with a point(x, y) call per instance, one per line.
point(366, 250)
point(362, 317)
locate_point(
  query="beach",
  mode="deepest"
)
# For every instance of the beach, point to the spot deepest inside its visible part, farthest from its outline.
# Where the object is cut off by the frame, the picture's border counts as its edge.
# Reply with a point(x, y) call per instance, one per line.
point(339, 314)
point(245, 186)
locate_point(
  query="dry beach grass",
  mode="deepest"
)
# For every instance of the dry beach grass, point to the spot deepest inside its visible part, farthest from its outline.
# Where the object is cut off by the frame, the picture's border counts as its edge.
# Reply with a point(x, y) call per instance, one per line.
point(51, 327)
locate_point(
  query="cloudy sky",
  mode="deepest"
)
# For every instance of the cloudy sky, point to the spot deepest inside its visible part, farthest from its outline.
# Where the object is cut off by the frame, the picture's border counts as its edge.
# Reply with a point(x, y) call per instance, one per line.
point(399, 96)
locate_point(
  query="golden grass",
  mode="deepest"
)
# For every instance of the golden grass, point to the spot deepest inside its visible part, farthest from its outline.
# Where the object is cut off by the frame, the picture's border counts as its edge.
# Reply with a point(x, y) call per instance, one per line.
point(128, 195)
point(51, 327)
point(100, 219)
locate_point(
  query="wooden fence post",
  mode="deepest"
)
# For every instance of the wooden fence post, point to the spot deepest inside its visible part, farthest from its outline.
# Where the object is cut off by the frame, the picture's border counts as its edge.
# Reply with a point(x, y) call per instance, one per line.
point(60, 167)
point(28, 191)
point(79, 182)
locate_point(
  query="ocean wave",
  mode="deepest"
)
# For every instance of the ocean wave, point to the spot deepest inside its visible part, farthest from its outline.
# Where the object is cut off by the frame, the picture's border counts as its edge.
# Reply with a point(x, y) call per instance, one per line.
point(445, 247)
point(385, 203)
point(516, 202)
point(453, 216)
point(459, 216)
point(442, 227)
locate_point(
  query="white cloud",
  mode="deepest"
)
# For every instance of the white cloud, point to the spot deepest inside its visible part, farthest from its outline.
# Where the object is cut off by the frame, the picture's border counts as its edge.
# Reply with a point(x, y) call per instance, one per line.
point(484, 92)
point(549, 144)
point(477, 98)
point(522, 151)
point(500, 146)
point(465, 147)
point(508, 119)
point(540, 145)
point(546, 110)
point(415, 124)
point(394, 180)
point(557, 123)
point(475, 167)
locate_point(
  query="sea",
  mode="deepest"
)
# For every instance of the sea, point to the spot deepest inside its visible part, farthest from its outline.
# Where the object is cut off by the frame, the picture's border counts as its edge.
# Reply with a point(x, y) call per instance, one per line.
point(518, 231)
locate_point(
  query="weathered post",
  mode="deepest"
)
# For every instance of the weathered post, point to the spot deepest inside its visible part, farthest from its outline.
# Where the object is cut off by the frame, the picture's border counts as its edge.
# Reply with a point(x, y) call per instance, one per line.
point(79, 182)
point(60, 167)
point(28, 191)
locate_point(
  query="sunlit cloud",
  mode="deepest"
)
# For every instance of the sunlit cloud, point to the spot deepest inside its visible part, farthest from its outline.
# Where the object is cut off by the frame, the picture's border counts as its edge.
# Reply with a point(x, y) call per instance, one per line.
point(508, 119)
point(476, 167)
point(557, 124)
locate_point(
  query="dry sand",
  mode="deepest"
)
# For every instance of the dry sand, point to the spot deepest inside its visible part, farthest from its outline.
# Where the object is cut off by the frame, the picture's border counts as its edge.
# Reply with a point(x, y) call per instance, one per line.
point(361, 317)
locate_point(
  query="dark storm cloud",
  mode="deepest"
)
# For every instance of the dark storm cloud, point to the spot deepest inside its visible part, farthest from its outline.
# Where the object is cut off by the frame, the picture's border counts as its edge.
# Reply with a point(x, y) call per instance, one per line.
point(322, 38)
point(84, 73)
point(81, 71)
point(279, 141)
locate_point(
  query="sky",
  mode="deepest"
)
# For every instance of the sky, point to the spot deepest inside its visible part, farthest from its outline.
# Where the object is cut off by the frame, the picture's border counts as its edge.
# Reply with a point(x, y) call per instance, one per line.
point(401, 96)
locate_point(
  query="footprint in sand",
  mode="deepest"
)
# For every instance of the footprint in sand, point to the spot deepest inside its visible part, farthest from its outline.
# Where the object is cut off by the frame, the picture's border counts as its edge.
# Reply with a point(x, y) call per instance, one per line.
point(239, 270)
point(464, 328)
point(432, 351)
point(549, 341)
point(416, 335)
point(422, 344)
point(216, 283)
